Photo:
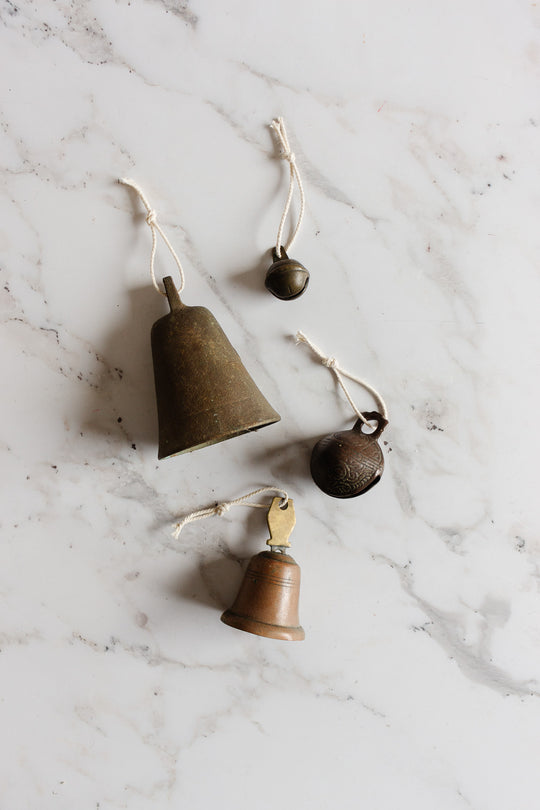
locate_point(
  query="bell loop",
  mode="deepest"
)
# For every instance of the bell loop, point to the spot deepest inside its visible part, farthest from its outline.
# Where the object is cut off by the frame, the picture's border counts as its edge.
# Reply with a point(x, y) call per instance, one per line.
point(371, 416)
point(282, 254)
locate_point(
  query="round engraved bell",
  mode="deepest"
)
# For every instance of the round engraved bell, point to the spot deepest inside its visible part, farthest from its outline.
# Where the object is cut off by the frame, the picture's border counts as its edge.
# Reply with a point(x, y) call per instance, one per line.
point(348, 463)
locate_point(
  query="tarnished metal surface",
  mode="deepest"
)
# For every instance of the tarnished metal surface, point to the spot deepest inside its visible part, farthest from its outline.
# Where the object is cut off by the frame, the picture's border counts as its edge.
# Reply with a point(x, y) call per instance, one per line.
point(204, 393)
point(350, 462)
point(286, 278)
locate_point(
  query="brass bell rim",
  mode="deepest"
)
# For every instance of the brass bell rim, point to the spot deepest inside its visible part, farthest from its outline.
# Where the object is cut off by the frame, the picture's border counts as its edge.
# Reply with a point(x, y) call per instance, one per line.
point(162, 454)
point(248, 624)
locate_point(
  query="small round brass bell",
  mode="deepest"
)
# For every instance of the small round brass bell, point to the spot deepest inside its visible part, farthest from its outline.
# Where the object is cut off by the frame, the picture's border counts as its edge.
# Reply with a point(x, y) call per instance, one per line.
point(348, 463)
point(286, 278)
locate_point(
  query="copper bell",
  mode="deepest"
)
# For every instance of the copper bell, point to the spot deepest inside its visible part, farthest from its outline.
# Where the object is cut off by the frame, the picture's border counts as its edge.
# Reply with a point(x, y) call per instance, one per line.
point(267, 602)
point(348, 463)
point(204, 393)
point(286, 278)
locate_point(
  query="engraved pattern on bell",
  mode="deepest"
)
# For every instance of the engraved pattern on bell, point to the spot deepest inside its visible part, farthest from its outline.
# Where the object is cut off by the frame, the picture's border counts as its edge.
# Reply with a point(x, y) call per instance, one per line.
point(348, 463)
point(286, 278)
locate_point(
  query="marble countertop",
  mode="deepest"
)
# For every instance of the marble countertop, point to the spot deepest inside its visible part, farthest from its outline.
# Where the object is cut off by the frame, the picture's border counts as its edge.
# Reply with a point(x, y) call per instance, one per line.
point(416, 131)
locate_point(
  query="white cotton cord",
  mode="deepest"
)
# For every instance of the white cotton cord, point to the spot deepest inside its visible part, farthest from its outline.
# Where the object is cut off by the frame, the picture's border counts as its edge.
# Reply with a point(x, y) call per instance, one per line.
point(222, 508)
point(155, 227)
point(278, 125)
point(332, 364)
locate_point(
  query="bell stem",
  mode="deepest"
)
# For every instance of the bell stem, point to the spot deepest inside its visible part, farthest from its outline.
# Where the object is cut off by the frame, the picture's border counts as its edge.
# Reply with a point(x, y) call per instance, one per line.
point(283, 255)
point(172, 294)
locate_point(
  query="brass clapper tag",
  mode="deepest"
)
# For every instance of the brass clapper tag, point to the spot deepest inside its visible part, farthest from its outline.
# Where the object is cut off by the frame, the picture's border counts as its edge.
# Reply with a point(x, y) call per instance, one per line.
point(281, 521)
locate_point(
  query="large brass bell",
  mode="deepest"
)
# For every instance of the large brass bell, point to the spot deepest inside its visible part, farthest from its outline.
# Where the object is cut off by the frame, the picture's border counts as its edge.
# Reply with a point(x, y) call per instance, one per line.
point(204, 393)
point(267, 602)
point(286, 278)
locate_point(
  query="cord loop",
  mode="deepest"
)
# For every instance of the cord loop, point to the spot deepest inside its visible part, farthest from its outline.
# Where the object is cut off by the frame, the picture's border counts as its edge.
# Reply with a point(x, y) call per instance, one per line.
point(278, 126)
point(155, 227)
point(332, 364)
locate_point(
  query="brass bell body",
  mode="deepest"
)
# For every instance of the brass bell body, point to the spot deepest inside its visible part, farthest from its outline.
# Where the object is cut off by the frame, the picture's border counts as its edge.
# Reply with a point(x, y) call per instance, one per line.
point(204, 393)
point(267, 602)
point(348, 463)
point(286, 278)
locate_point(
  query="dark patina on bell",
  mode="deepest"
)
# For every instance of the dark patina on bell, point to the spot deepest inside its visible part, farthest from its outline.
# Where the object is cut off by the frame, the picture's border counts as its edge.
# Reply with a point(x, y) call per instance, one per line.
point(350, 462)
point(204, 393)
point(286, 278)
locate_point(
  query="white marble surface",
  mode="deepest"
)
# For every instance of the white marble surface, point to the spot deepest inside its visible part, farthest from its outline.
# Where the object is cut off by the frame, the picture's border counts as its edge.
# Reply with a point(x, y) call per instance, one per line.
point(416, 129)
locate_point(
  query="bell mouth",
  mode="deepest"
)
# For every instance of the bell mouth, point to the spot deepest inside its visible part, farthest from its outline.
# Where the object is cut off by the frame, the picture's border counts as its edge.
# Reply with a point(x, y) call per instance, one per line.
point(166, 453)
point(249, 625)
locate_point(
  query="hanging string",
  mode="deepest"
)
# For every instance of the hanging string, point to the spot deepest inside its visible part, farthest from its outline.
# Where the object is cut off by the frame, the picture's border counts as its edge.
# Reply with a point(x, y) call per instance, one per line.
point(332, 364)
point(278, 125)
point(222, 508)
point(155, 227)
